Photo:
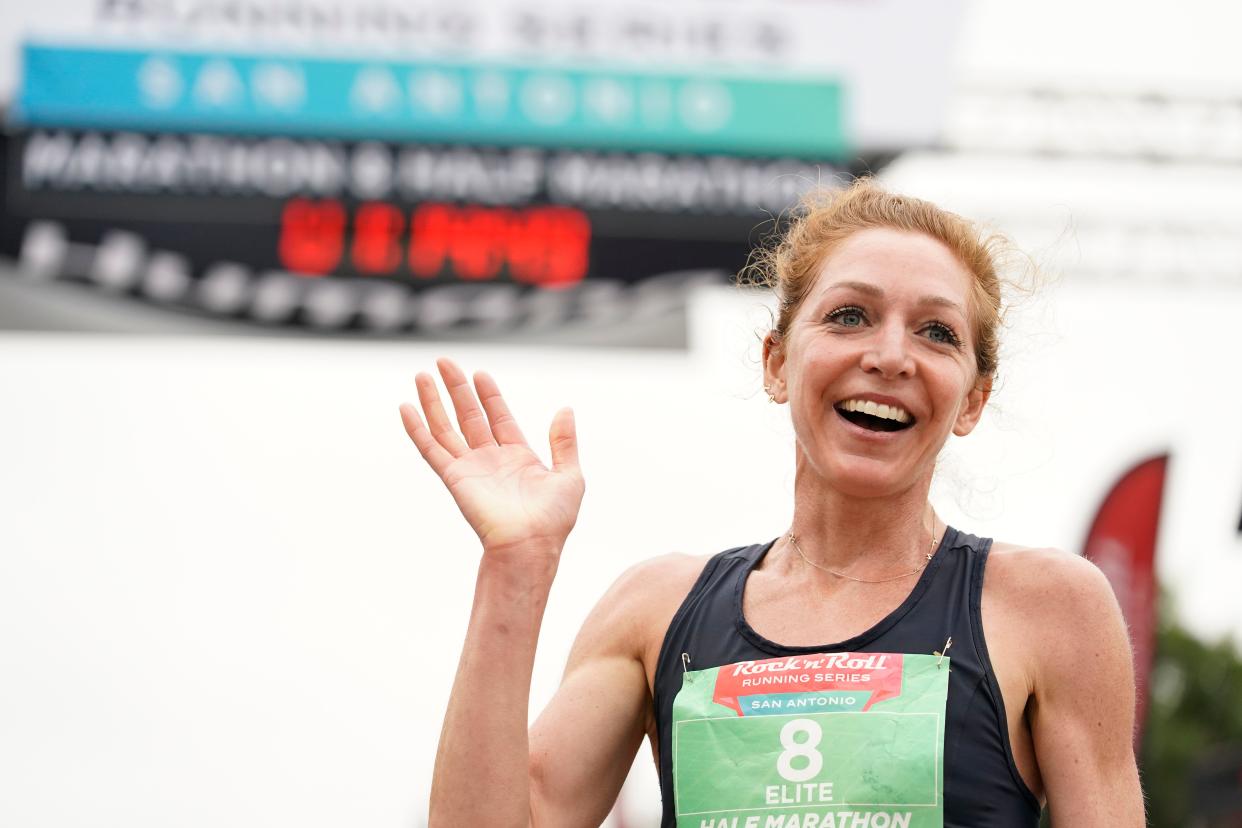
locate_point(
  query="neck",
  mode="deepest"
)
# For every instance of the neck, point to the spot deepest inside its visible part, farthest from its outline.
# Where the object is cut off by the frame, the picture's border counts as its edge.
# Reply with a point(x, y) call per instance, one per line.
point(871, 537)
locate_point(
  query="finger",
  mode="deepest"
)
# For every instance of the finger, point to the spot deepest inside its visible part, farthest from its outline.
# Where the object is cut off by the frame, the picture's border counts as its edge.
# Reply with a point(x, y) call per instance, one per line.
point(428, 446)
point(437, 420)
point(563, 438)
point(469, 416)
point(504, 427)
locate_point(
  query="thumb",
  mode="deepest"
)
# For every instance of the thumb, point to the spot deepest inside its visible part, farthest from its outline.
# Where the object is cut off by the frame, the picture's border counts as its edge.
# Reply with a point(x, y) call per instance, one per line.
point(563, 438)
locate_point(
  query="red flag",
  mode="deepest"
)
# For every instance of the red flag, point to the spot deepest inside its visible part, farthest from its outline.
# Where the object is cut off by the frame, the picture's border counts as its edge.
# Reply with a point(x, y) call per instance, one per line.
point(1122, 543)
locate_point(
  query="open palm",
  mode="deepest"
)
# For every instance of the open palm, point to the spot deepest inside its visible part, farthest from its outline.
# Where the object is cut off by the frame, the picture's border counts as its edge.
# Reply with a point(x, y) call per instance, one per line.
point(505, 492)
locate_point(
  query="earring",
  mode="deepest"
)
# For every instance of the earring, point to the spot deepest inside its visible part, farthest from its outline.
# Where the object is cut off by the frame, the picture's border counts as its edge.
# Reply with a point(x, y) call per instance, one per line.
point(771, 396)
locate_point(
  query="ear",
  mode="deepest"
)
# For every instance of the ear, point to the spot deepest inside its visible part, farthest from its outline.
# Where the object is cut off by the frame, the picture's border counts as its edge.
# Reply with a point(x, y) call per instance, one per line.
point(972, 410)
point(774, 366)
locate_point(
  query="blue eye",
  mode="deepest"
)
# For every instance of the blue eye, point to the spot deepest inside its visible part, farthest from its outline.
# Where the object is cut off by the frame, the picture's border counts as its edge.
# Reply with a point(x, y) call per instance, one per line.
point(849, 317)
point(938, 332)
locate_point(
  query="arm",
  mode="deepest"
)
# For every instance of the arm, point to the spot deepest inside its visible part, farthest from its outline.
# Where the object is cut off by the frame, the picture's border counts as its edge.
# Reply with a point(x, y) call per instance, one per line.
point(522, 512)
point(569, 769)
point(583, 744)
point(1081, 712)
point(487, 769)
point(480, 772)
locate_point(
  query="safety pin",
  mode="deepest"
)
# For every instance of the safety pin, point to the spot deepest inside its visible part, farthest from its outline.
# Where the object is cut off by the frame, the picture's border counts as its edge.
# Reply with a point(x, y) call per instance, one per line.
point(941, 653)
point(685, 662)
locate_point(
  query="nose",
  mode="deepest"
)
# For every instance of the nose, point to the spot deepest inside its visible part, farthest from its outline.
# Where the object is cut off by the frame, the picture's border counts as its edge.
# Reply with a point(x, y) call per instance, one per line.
point(888, 352)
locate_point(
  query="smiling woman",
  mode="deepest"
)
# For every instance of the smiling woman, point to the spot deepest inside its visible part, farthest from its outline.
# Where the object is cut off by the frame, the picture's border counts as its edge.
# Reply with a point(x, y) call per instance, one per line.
point(933, 702)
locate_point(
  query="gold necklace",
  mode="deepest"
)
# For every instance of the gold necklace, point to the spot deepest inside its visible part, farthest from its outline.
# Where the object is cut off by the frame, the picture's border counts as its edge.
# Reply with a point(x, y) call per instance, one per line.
point(793, 541)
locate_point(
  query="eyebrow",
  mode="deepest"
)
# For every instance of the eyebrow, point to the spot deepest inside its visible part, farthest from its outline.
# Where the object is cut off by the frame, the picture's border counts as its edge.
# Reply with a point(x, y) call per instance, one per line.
point(878, 292)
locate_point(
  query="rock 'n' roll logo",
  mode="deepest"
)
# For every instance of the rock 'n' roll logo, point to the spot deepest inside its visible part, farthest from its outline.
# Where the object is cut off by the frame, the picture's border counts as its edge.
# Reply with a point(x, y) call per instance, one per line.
point(818, 682)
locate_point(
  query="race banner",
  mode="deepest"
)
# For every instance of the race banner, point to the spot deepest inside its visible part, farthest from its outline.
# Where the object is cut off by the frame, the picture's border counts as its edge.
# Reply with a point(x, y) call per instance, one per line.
point(641, 68)
point(576, 106)
point(421, 166)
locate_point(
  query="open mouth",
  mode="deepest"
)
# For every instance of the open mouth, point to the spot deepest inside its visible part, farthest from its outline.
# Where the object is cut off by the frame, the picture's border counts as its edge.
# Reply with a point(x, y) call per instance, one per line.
point(875, 416)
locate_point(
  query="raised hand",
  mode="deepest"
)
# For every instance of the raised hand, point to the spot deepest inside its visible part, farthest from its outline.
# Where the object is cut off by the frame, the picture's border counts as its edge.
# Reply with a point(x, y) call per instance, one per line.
point(509, 497)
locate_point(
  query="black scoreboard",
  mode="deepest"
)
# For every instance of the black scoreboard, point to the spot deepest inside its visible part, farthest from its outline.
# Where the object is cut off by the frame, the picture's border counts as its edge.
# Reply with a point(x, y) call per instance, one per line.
point(383, 236)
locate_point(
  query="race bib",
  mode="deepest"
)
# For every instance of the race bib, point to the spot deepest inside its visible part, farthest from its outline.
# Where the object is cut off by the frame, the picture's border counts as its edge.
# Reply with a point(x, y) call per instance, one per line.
point(828, 740)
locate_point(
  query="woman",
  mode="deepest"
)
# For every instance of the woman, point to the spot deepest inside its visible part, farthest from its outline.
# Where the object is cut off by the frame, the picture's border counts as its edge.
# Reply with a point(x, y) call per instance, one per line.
point(738, 667)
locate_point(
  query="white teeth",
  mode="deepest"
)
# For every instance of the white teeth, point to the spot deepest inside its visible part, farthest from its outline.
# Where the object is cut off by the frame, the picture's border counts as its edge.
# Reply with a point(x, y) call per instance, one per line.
point(886, 412)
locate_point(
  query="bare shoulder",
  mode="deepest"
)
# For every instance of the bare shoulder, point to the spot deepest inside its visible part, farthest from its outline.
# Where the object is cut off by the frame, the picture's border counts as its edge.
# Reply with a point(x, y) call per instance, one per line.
point(665, 573)
point(640, 604)
point(1055, 607)
point(1045, 581)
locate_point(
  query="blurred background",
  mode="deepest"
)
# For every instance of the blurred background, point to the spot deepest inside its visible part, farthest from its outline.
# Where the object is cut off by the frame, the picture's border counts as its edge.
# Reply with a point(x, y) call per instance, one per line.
point(231, 231)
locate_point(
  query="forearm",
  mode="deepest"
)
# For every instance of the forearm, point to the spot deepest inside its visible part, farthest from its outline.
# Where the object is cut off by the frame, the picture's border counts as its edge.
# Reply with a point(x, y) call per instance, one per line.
point(482, 766)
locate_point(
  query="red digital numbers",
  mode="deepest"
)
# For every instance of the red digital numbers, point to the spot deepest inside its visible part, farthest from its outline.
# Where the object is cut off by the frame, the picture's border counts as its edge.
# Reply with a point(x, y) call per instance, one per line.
point(311, 236)
point(546, 246)
point(549, 246)
point(431, 233)
point(377, 238)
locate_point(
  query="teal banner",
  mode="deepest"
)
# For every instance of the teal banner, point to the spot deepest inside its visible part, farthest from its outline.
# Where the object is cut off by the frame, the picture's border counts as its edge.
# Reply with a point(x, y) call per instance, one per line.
point(554, 106)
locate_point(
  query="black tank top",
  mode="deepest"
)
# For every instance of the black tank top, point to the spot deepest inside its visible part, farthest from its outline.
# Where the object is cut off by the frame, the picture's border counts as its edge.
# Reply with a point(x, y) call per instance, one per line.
point(981, 785)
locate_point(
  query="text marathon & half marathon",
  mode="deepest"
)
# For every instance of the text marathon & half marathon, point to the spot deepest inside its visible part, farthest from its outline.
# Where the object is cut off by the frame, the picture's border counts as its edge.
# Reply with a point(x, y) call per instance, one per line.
point(128, 162)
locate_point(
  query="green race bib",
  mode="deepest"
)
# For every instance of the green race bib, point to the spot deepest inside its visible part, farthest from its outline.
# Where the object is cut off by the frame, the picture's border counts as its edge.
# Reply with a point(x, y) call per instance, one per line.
point(827, 740)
